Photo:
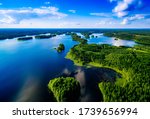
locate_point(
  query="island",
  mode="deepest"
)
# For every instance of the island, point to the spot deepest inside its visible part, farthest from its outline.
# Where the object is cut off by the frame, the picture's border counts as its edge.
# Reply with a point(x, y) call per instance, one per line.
point(78, 38)
point(24, 38)
point(64, 89)
point(44, 36)
point(67, 33)
point(86, 34)
point(60, 48)
point(92, 36)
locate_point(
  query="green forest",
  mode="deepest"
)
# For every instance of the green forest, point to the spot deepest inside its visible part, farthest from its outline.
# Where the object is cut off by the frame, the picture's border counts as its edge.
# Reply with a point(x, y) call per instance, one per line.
point(60, 48)
point(78, 38)
point(133, 63)
point(64, 89)
point(142, 37)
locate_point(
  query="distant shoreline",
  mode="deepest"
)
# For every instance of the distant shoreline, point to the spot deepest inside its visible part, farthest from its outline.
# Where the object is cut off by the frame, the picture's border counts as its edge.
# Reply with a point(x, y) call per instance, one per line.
point(85, 28)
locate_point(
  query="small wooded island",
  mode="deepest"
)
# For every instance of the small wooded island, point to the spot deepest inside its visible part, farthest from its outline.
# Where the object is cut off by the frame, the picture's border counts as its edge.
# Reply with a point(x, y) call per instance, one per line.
point(24, 38)
point(60, 48)
point(64, 89)
point(44, 36)
point(78, 38)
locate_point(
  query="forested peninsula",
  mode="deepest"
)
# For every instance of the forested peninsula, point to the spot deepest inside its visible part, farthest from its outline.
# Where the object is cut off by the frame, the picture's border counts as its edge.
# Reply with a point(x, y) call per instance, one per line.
point(133, 63)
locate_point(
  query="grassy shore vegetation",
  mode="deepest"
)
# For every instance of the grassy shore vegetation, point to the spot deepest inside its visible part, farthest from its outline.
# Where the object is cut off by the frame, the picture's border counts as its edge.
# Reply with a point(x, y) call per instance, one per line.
point(133, 63)
point(65, 89)
point(142, 37)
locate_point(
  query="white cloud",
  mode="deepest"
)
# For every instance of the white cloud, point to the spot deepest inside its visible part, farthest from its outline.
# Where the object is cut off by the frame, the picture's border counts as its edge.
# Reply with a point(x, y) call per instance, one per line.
point(105, 22)
point(7, 19)
point(128, 20)
point(66, 24)
point(47, 3)
point(125, 7)
point(114, 0)
point(125, 21)
point(72, 11)
point(122, 14)
point(15, 16)
point(101, 23)
point(101, 14)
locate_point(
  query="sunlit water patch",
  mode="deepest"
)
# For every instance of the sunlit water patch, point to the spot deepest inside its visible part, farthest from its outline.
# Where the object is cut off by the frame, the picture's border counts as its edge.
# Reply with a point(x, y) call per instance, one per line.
point(100, 39)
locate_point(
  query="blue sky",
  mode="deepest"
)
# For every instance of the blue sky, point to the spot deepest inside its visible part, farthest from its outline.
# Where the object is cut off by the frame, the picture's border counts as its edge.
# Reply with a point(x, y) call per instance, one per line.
point(74, 13)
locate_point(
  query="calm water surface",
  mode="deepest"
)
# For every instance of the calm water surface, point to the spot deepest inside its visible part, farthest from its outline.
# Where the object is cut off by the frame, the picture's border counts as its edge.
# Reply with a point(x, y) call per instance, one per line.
point(108, 40)
point(27, 66)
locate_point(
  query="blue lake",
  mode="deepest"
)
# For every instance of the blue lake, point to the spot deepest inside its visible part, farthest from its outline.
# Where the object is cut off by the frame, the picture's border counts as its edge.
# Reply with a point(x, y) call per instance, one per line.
point(101, 39)
point(27, 66)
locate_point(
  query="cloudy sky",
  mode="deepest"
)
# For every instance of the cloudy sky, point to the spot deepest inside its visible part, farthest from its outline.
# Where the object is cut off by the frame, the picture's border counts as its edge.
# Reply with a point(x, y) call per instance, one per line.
point(74, 14)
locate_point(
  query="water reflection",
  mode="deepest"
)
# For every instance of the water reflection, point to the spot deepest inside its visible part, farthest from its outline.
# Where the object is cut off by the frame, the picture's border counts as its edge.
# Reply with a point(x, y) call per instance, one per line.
point(57, 39)
point(8, 44)
point(89, 78)
point(27, 92)
point(96, 35)
point(79, 34)
point(123, 43)
point(108, 40)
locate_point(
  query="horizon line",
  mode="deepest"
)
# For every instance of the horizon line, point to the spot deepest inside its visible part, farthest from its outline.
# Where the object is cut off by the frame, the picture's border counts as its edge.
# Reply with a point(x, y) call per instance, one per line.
point(73, 28)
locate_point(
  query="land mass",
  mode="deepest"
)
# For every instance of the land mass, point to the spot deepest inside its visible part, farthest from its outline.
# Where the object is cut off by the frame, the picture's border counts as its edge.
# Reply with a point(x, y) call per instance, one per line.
point(60, 48)
point(24, 38)
point(132, 62)
point(139, 37)
point(44, 36)
point(64, 89)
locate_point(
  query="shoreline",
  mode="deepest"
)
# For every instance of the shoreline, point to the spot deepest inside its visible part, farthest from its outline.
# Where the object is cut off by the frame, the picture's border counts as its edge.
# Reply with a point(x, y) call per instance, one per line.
point(119, 81)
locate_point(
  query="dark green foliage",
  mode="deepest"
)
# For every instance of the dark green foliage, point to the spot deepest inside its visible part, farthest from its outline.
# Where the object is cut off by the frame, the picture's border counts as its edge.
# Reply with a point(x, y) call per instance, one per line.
point(65, 89)
point(24, 38)
point(121, 35)
point(13, 33)
point(92, 36)
point(86, 34)
point(68, 33)
point(134, 61)
point(139, 37)
point(75, 37)
point(44, 36)
point(142, 39)
point(61, 47)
